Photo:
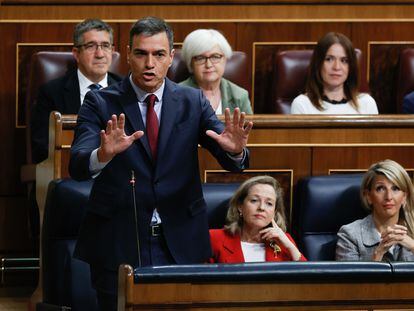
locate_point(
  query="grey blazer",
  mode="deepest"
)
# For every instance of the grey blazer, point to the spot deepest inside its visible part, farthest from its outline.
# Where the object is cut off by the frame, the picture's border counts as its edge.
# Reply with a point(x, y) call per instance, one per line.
point(358, 240)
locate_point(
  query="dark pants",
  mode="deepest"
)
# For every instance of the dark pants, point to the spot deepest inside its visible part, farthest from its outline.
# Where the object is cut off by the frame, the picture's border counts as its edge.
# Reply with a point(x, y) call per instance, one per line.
point(105, 281)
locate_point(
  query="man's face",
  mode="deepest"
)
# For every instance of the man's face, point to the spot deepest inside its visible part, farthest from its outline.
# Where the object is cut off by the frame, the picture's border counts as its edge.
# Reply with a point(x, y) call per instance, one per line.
point(94, 57)
point(149, 58)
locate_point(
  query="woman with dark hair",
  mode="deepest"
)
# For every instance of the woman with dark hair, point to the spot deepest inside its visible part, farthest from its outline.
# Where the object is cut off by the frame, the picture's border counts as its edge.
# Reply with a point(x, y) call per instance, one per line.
point(332, 82)
point(256, 226)
point(387, 232)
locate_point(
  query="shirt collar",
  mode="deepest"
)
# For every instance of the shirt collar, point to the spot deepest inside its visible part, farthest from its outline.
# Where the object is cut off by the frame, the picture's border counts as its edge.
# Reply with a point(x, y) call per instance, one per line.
point(141, 94)
point(84, 82)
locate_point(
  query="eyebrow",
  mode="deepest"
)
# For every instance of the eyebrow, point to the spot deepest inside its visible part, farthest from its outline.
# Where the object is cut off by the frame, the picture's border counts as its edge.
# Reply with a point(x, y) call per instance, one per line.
point(147, 52)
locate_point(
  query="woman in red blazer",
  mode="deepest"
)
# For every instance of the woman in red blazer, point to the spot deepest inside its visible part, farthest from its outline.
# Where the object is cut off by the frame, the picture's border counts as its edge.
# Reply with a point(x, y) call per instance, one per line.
point(256, 226)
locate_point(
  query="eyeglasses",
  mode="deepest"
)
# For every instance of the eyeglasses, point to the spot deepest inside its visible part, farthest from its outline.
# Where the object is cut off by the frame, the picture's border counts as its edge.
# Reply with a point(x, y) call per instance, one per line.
point(92, 47)
point(201, 59)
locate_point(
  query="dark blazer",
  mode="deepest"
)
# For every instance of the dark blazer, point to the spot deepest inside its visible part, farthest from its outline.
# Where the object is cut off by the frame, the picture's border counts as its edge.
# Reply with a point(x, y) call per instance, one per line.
point(227, 249)
point(61, 94)
point(408, 103)
point(172, 184)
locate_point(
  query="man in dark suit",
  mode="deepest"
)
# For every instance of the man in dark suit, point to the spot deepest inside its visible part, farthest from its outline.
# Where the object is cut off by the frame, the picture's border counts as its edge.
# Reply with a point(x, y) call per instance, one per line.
point(92, 49)
point(162, 220)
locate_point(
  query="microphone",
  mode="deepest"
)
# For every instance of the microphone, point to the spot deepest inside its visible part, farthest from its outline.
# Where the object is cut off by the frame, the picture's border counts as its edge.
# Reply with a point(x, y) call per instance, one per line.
point(134, 201)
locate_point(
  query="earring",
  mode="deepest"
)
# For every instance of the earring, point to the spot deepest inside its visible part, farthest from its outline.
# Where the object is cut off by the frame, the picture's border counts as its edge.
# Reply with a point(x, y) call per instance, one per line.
point(240, 214)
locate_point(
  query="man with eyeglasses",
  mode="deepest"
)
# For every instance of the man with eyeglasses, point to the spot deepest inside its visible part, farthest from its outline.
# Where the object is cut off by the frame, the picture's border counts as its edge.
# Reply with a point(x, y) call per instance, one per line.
point(92, 49)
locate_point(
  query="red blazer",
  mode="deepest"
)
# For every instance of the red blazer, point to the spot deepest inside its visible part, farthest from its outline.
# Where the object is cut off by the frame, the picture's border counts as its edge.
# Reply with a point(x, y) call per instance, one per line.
point(227, 249)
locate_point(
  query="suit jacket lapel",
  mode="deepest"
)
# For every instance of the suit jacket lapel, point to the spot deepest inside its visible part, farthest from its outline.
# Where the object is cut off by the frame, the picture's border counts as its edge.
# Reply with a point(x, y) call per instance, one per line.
point(232, 246)
point(227, 99)
point(132, 113)
point(71, 95)
point(110, 80)
point(170, 108)
point(369, 233)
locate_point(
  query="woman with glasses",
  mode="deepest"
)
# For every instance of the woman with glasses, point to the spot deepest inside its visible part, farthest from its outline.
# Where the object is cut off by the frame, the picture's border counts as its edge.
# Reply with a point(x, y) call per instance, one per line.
point(332, 82)
point(205, 51)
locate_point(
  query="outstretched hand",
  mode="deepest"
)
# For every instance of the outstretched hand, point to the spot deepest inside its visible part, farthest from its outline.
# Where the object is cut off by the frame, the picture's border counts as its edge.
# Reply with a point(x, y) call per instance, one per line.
point(234, 137)
point(114, 140)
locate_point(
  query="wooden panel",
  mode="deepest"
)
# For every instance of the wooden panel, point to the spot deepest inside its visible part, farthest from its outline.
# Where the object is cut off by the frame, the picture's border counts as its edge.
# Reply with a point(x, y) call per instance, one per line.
point(178, 2)
point(264, 295)
point(14, 231)
point(358, 158)
point(326, 10)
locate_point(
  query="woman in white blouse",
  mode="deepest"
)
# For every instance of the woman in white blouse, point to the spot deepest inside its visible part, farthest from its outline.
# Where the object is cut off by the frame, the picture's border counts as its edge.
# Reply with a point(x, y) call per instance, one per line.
point(332, 83)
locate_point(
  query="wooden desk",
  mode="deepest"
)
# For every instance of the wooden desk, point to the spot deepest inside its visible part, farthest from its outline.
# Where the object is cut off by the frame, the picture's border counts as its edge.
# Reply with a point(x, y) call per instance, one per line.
point(326, 292)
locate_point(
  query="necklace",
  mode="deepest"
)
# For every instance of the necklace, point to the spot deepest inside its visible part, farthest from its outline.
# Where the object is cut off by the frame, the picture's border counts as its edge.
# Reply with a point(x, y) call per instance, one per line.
point(334, 102)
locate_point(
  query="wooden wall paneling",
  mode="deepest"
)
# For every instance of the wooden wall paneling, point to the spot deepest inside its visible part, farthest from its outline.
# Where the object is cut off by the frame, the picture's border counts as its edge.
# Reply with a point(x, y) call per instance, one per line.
point(12, 155)
point(180, 2)
point(131, 11)
point(383, 72)
point(381, 43)
point(329, 159)
point(14, 231)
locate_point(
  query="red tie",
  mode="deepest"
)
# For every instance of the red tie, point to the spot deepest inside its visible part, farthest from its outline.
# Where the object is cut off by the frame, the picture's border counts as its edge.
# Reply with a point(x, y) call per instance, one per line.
point(152, 124)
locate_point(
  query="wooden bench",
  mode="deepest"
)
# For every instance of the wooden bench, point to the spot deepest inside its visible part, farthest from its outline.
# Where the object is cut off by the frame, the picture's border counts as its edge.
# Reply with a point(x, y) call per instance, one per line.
point(267, 286)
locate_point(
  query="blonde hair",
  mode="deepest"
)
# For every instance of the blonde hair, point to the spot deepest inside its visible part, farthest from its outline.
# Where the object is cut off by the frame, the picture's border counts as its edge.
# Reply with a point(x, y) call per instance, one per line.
point(396, 174)
point(234, 222)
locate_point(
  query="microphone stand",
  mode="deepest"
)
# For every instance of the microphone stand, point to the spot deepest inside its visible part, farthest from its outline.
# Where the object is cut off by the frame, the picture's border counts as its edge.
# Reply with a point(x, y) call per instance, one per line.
point(134, 201)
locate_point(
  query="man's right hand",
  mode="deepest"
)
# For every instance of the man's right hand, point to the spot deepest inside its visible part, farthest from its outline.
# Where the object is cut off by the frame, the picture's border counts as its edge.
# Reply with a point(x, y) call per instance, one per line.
point(114, 140)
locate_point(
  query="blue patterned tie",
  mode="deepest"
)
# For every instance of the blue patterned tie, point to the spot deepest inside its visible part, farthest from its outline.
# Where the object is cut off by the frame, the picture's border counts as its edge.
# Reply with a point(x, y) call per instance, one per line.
point(94, 86)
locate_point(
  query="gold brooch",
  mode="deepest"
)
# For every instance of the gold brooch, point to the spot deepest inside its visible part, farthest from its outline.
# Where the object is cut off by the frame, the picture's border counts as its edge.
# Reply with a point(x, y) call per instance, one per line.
point(276, 248)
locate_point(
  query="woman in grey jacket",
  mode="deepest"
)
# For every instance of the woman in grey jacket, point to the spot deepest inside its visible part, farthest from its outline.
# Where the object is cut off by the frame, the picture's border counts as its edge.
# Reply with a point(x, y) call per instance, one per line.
point(386, 234)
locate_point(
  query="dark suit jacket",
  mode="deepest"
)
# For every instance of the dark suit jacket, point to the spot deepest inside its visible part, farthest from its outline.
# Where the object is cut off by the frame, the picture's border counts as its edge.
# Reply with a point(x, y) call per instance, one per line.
point(61, 94)
point(172, 184)
point(227, 249)
point(408, 103)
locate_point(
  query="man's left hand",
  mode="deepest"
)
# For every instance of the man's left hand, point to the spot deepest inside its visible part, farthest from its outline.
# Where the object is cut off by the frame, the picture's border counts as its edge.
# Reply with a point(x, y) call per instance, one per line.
point(234, 137)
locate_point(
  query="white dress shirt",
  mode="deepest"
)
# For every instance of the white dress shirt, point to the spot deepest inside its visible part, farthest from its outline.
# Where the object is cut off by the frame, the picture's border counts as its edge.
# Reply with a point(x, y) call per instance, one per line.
point(84, 84)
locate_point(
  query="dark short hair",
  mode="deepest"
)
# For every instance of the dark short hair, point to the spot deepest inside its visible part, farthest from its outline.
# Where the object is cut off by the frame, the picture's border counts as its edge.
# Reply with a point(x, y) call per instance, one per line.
point(88, 25)
point(314, 83)
point(150, 26)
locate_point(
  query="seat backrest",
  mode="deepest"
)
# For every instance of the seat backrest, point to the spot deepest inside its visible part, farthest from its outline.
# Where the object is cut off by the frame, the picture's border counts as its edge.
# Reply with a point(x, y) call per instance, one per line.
point(325, 203)
point(404, 77)
point(235, 71)
point(217, 197)
point(46, 66)
point(291, 70)
point(66, 280)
